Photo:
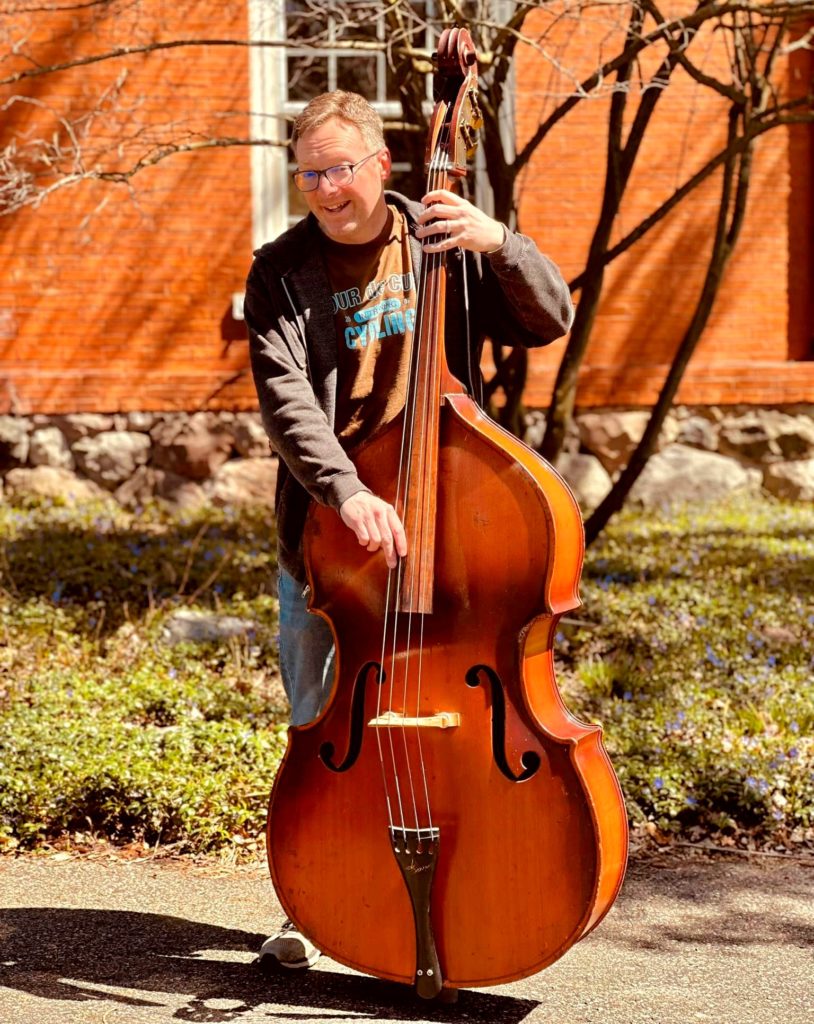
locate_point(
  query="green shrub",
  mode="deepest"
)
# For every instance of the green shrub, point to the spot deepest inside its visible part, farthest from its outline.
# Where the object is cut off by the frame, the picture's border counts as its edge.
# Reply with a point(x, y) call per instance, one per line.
point(702, 622)
point(693, 649)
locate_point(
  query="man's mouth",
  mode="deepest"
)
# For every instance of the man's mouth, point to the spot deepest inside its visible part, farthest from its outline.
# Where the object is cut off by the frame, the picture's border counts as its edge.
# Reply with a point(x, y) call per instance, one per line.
point(337, 208)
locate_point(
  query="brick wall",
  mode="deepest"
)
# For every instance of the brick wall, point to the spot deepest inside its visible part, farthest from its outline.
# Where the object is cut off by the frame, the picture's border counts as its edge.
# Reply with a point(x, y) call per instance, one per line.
point(650, 291)
point(118, 302)
point(115, 302)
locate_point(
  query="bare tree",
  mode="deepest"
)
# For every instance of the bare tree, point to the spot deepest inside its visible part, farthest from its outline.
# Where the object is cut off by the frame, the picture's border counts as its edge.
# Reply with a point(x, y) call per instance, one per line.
point(57, 139)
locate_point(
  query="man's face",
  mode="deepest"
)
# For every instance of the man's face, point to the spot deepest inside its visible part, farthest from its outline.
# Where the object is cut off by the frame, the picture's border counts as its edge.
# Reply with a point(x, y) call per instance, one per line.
point(352, 213)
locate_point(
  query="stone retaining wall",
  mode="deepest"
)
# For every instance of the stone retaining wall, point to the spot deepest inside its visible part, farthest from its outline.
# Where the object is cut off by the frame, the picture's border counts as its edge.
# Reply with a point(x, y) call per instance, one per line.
point(182, 458)
point(188, 459)
point(703, 453)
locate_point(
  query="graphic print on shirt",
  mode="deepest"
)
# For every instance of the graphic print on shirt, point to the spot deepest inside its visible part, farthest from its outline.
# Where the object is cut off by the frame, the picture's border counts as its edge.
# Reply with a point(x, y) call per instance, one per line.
point(373, 302)
point(393, 315)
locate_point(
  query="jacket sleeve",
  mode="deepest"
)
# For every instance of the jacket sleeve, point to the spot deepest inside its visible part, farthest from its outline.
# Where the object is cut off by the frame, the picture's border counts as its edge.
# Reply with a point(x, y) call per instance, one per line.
point(297, 427)
point(523, 296)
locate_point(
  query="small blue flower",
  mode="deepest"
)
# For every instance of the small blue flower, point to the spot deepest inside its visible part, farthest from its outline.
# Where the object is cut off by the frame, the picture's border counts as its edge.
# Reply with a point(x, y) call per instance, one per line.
point(658, 782)
point(651, 600)
point(691, 801)
point(627, 695)
point(794, 727)
point(793, 752)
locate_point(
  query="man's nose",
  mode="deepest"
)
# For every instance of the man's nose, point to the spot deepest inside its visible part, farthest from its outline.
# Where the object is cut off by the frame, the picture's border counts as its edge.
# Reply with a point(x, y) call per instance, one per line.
point(327, 186)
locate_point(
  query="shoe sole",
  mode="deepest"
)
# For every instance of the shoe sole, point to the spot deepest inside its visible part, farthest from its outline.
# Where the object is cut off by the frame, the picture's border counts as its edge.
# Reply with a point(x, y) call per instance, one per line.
point(268, 962)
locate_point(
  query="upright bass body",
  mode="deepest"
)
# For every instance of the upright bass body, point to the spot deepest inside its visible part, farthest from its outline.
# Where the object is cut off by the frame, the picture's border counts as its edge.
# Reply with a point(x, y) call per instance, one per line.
point(523, 811)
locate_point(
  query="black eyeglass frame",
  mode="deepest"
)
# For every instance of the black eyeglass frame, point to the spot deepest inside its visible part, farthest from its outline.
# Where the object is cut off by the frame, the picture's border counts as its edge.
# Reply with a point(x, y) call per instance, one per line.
point(328, 171)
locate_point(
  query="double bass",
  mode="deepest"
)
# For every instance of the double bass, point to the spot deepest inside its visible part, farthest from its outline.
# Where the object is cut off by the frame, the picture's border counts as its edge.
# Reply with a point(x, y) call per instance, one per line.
point(446, 822)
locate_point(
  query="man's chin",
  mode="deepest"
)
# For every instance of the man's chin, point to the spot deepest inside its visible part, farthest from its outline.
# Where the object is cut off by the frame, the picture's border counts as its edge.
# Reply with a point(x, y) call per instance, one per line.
point(340, 232)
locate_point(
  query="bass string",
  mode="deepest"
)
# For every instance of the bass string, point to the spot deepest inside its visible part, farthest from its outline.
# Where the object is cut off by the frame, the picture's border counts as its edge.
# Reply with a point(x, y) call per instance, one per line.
point(417, 540)
point(395, 583)
point(395, 589)
point(432, 413)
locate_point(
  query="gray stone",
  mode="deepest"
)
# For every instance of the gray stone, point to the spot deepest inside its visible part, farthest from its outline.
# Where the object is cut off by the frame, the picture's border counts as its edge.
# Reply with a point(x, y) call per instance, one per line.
point(51, 482)
point(148, 483)
point(111, 458)
point(244, 482)
point(612, 436)
point(141, 421)
point(680, 473)
point(166, 425)
point(793, 480)
point(195, 448)
point(698, 432)
point(186, 626)
point(794, 434)
point(534, 428)
point(86, 424)
point(14, 440)
point(767, 435)
point(251, 439)
point(586, 477)
point(49, 448)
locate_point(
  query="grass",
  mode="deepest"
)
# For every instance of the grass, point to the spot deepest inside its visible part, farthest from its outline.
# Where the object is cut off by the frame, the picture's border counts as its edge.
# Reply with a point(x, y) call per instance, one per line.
point(105, 729)
point(697, 655)
point(693, 649)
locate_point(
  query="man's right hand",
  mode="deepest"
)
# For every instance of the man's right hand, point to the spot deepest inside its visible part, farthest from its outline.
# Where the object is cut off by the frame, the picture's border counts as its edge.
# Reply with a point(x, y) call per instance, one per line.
point(376, 525)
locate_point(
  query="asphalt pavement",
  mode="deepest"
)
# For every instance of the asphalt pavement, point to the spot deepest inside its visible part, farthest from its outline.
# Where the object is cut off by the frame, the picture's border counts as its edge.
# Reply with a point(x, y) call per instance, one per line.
point(727, 940)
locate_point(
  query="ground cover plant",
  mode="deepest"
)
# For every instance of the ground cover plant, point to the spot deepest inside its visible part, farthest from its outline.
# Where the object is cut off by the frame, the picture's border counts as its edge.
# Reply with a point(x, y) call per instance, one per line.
point(693, 648)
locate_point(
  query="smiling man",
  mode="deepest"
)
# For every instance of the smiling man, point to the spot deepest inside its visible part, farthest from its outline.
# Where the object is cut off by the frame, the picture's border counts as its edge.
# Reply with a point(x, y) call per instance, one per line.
point(330, 307)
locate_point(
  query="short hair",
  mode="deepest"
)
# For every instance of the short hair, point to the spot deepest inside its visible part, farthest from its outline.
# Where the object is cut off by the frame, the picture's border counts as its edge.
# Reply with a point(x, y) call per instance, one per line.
point(348, 106)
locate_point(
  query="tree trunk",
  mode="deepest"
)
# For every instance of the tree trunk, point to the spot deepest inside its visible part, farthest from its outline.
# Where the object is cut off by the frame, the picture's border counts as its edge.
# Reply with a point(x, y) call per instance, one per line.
point(723, 245)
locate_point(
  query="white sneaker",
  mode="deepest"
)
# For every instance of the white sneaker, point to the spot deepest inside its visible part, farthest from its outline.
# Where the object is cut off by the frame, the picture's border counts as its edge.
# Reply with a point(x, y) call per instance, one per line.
point(288, 948)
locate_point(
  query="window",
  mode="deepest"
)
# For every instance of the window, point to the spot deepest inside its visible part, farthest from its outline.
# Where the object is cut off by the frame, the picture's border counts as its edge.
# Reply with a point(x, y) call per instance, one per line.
point(284, 79)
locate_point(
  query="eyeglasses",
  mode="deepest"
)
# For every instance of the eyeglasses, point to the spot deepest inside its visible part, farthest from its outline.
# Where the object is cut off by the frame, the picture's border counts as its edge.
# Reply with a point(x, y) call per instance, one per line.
point(341, 174)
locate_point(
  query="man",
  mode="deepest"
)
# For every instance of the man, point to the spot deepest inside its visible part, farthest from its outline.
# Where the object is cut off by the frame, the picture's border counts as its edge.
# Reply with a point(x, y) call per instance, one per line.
point(330, 306)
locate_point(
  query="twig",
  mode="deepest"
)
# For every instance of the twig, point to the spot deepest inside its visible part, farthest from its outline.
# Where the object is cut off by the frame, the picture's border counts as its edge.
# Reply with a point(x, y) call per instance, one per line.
point(712, 848)
point(210, 579)
point(190, 557)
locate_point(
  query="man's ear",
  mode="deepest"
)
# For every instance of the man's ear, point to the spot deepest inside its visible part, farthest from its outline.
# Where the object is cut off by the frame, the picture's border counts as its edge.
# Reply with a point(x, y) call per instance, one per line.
point(386, 163)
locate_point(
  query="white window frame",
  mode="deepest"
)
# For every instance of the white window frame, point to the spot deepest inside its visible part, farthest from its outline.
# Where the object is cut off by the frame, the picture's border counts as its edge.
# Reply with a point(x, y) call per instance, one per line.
point(271, 110)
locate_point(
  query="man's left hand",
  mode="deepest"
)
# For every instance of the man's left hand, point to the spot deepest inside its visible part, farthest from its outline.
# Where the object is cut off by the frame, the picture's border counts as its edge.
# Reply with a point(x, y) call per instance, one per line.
point(457, 224)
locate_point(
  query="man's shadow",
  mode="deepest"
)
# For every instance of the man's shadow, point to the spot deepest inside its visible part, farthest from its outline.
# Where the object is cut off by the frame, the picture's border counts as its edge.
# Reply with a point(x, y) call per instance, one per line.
point(79, 955)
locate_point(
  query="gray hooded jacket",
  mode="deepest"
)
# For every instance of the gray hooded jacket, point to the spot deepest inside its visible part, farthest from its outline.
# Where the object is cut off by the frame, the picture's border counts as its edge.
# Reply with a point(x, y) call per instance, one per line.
point(516, 295)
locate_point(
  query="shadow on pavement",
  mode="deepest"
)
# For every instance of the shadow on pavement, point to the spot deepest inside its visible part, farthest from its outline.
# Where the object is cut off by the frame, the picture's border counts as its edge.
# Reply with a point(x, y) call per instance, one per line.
point(712, 903)
point(61, 954)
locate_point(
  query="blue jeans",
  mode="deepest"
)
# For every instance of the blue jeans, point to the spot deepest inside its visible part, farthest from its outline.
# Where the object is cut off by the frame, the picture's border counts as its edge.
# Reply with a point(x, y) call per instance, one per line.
point(306, 652)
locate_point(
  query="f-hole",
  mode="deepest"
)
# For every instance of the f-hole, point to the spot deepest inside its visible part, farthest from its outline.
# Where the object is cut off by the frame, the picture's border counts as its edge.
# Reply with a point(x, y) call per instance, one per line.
point(529, 759)
point(357, 721)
